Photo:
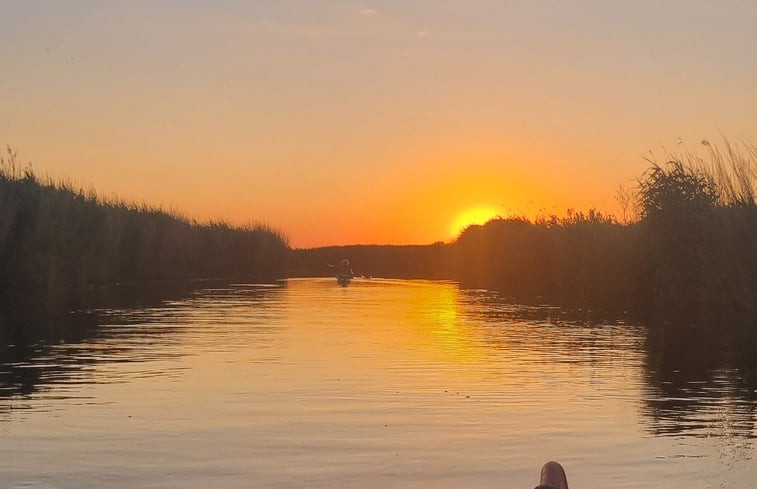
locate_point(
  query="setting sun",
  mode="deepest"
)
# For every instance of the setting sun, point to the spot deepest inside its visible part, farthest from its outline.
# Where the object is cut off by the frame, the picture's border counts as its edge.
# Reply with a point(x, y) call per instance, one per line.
point(473, 215)
point(407, 243)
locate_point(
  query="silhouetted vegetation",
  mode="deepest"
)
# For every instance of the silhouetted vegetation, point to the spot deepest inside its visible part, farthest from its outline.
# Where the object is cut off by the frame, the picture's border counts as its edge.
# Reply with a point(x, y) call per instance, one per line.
point(686, 248)
point(56, 237)
point(581, 260)
point(699, 223)
point(683, 258)
point(689, 255)
point(427, 262)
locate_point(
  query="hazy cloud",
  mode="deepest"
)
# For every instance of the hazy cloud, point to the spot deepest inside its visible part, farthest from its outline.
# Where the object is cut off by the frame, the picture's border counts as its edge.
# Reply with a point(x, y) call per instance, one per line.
point(295, 29)
point(368, 12)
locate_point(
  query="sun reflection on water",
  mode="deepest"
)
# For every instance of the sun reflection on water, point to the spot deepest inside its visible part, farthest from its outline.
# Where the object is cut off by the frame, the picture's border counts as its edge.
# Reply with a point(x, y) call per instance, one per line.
point(386, 382)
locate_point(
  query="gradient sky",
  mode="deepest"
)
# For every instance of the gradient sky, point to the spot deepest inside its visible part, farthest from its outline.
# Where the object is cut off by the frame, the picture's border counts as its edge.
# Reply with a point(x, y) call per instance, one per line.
point(369, 122)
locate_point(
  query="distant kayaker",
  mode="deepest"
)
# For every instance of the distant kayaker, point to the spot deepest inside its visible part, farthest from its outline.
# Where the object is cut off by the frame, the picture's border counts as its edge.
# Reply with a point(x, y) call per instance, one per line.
point(344, 270)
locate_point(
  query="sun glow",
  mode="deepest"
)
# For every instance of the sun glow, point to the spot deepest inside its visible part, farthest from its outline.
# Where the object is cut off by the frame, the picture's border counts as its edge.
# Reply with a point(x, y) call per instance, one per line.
point(473, 215)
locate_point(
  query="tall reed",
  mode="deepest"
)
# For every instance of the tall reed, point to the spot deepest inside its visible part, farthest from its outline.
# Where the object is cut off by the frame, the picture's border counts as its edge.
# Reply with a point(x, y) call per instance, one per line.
point(686, 248)
point(691, 254)
point(55, 236)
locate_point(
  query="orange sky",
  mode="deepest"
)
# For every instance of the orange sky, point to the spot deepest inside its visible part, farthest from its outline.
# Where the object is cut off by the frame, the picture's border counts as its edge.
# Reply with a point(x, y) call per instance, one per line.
point(356, 122)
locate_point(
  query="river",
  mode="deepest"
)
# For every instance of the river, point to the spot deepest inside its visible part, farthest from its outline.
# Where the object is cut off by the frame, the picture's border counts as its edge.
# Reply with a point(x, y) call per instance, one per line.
point(379, 384)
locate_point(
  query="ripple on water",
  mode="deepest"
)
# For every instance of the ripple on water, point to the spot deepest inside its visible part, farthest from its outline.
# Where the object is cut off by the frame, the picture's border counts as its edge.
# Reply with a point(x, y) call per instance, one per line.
point(382, 383)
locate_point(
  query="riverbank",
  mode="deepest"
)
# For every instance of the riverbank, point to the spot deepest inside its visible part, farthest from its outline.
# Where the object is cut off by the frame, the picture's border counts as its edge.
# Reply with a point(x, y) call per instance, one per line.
point(684, 251)
point(56, 237)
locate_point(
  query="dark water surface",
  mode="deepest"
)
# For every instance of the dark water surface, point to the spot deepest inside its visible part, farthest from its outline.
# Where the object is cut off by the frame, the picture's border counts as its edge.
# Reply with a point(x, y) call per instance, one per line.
point(379, 384)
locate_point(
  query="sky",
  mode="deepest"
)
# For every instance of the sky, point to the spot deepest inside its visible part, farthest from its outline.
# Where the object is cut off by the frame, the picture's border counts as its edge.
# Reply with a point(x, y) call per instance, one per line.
point(388, 122)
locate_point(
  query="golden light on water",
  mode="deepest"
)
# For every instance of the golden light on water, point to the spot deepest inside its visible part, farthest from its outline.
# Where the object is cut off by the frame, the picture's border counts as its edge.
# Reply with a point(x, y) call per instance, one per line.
point(437, 325)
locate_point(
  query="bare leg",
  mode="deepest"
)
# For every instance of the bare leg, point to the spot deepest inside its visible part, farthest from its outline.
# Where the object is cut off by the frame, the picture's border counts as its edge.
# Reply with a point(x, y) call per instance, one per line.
point(553, 475)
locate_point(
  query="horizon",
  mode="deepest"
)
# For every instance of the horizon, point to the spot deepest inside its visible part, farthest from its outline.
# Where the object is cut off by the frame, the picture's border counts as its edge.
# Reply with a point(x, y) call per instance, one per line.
point(403, 243)
point(399, 121)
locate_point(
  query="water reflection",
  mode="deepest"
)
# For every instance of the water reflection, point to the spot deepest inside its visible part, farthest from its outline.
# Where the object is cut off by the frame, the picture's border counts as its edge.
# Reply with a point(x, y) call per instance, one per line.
point(392, 379)
point(695, 382)
point(48, 352)
point(700, 383)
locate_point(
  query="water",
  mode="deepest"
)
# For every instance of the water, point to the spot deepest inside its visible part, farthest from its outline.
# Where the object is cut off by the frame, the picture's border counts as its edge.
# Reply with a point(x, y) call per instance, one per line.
point(379, 384)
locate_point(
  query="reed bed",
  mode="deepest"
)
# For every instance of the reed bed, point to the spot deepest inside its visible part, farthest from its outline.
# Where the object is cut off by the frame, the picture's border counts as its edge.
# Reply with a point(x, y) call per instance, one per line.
point(55, 236)
point(685, 248)
point(687, 252)
point(691, 253)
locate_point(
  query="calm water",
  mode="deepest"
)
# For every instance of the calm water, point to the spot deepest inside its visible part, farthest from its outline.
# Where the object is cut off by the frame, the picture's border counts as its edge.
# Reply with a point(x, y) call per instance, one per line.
point(379, 384)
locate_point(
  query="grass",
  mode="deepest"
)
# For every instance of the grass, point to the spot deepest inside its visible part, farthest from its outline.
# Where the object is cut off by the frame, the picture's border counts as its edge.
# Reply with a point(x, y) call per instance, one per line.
point(684, 249)
point(57, 237)
point(581, 260)
point(689, 255)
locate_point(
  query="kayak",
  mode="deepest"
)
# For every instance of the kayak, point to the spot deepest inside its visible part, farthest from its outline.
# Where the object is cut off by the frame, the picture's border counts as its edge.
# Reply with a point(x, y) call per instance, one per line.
point(344, 273)
point(343, 278)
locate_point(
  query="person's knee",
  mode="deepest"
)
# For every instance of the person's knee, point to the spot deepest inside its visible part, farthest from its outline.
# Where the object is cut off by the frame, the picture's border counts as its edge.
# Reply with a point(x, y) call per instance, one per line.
point(553, 476)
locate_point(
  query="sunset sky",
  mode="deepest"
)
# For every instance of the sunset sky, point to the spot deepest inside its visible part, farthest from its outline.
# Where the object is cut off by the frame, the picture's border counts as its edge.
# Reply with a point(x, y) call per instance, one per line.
point(370, 122)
